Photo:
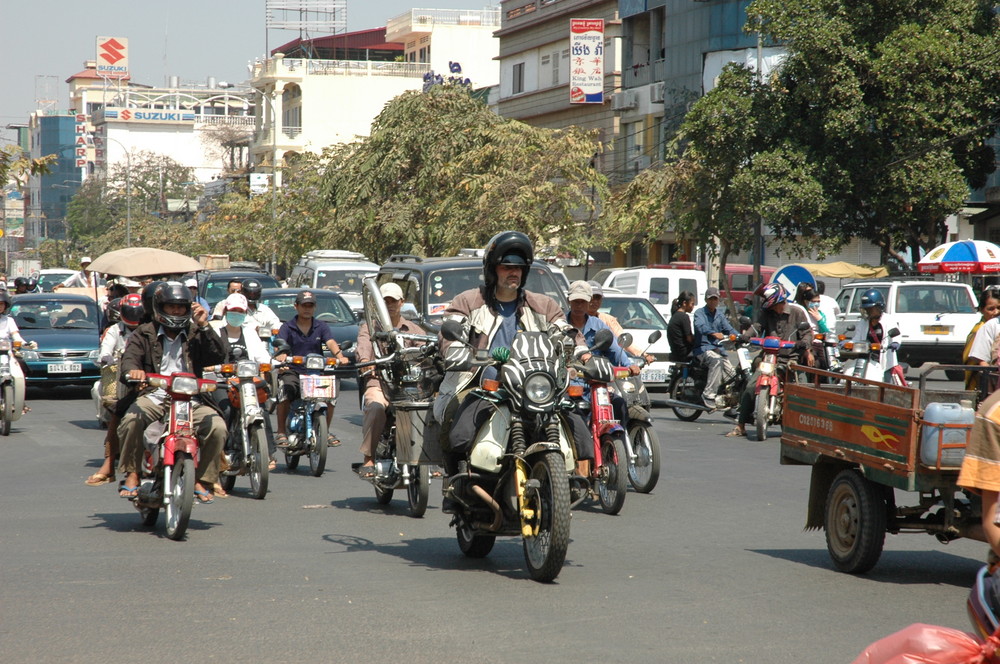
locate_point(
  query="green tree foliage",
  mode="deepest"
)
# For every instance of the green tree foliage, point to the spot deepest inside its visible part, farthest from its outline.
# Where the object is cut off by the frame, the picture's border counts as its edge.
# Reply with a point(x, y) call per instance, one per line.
point(441, 171)
point(17, 165)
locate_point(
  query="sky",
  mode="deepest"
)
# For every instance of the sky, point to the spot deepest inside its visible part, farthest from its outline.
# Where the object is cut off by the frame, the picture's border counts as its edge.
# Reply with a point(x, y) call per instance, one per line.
point(47, 41)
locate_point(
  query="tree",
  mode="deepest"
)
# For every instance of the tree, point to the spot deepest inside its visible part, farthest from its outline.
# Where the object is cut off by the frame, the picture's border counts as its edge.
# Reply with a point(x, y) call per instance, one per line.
point(890, 103)
point(441, 171)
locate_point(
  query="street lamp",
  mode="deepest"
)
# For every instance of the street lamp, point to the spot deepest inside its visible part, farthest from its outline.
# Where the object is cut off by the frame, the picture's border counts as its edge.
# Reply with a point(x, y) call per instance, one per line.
point(128, 188)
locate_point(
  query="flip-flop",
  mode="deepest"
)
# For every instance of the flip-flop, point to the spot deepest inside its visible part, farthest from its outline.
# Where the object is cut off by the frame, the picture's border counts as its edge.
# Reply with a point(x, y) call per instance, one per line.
point(204, 497)
point(97, 479)
point(272, 465)
point(128, 492)
point(366, 472)
point(281, 440)
point(332, 441)
point(734, 433)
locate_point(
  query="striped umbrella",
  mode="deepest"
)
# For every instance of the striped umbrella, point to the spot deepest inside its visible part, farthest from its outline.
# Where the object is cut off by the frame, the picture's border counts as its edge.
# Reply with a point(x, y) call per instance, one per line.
point(969, 256)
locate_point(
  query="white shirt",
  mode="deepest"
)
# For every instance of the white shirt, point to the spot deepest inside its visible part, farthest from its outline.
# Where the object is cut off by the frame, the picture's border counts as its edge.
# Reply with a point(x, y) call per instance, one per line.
point(8, 328)
point(264, 317)
point(113, 343)
point(829, 307)
point(256, 348)
point(80, 280)
point(861, 334)
point(986, 336)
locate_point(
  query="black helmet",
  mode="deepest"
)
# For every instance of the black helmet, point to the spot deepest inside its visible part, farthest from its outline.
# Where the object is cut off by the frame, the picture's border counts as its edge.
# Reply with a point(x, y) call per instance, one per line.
point(20, 281)
point(172, 292)
point(251, 289)
point(31, 284)
point(147, 300)
point(509, 248)
point(114, 310)
point(130, 309)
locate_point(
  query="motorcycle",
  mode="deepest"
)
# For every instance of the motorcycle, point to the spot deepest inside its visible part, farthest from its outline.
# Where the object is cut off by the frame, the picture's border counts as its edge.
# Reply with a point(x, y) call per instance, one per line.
point(246, 447)
point(769, 390)
point(868, 360)
point(516, 479)
point(167, 475)
point(826, 346)
point(607, 473)
point(642, 445)
point(306, 426)
point(409, 378)
point(686, 383)
point(11, 387)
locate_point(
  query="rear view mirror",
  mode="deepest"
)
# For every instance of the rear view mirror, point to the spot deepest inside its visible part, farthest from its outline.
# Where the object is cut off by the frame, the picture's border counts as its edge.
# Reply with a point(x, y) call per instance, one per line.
point(655, 336)
point(802, 327)
point(603, 340)
point(452, 330)
point(894, 332)
point(625, 340)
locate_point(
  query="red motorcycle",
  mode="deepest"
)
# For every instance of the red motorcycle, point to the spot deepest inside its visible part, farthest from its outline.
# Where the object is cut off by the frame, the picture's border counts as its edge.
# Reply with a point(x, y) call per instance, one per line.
point(167, 477)
point(769, 392)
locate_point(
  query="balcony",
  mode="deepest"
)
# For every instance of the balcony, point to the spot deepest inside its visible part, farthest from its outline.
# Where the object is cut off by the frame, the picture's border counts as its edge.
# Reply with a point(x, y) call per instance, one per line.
point(423, 20)
point(643, 73)
point(291, 132)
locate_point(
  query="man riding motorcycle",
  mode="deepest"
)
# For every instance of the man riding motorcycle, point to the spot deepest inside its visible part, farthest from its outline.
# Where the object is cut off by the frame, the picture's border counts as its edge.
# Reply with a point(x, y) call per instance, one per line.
point(177, 340)
point(261, 316)
point(491, 316)
point(710, 327)
point(874, 328)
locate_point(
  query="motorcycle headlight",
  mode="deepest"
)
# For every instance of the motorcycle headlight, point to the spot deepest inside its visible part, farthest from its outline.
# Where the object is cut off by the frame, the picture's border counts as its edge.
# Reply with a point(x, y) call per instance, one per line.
point(766, 368)
point(94, 355)
point(315, 362)
point(539, 388)
point(184, 385)
point(247, 369)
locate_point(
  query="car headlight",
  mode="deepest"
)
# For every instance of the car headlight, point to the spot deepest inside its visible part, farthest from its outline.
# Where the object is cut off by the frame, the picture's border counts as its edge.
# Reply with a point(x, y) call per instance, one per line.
point(247, 369)
point(29, 355)
point(184, 385)
point(539, 388)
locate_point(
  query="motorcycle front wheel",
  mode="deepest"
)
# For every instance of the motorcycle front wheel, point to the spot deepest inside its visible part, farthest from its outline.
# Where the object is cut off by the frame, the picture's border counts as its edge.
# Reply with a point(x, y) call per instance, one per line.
point(612, 481)
point(180, 496)
point(418, 490)
point(679, 389)
point(317, 444)
point(760, 413)
point(644, 472)
point(258, 461)
point(8, 404)
point(545, 552)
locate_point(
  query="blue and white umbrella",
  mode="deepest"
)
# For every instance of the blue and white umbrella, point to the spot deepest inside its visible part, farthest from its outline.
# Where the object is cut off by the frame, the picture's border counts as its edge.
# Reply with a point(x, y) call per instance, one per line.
point(969, 256)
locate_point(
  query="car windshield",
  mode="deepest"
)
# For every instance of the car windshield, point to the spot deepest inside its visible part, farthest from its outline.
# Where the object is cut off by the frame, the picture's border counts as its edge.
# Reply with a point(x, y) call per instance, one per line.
point(444, 285)
point(634, 314)
point(47, 281)
point(934, 298)
point(217, 289)
point(55, 314)
point(342, 281)
point(330, 309)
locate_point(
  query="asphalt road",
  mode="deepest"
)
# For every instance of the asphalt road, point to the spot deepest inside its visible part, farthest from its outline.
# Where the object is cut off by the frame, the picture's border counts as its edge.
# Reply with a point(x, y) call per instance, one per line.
point(713, 566)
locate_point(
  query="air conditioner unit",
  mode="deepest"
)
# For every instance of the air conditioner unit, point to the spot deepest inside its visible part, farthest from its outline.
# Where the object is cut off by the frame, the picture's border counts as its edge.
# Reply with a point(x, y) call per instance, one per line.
point(624, 100)
point(656, 92)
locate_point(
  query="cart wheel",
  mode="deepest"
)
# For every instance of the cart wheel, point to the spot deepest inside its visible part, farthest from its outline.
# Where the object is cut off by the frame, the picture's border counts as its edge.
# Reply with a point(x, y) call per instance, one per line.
point(855, 522)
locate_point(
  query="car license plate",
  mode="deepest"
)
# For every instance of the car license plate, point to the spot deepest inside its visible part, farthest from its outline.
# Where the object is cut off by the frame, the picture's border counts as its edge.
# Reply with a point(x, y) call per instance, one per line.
point(68, 367)
point(936, 329)
point(654, 376)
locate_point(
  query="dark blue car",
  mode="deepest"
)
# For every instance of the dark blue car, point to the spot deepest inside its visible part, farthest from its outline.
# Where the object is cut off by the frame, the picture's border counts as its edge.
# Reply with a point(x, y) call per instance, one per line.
point(67, 331)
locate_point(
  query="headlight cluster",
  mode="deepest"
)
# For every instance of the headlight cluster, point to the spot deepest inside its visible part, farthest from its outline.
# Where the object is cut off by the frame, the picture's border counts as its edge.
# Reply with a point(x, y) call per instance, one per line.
point(247, 369)
point(315, 362)
point(539, 388)
point(184, 385)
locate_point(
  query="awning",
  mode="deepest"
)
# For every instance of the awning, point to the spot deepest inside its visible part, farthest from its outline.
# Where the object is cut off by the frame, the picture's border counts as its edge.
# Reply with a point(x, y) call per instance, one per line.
point(844, 270)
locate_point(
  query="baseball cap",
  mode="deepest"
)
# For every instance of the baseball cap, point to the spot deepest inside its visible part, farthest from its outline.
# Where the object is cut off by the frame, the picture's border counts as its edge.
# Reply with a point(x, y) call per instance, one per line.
point(711, 292)
point(85, 259)
point(236, 301)
point(596, 289)
point(580, 290)
point(191, 283)
point(392, 290)
point(305, 296)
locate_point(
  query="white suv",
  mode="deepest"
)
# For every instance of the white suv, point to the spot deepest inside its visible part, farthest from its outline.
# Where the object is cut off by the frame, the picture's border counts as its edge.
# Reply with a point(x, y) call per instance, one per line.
point(934, 317)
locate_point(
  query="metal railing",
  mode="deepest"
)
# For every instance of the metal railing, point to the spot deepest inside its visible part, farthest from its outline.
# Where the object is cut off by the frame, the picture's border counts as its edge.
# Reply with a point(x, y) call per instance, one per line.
point(420, 20)
point(303, 67)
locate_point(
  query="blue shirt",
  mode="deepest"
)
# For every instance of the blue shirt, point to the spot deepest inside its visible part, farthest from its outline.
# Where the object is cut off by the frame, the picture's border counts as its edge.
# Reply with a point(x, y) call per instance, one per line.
point(707, 322)
point(505, 334)
point(616, 353)
point(304, 344)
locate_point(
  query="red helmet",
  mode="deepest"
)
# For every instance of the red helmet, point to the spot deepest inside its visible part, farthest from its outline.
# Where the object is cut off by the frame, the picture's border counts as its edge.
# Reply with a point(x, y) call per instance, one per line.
point(130, 309)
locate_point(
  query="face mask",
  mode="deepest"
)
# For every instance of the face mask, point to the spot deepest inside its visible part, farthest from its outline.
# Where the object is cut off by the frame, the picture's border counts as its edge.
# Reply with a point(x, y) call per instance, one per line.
point(235, 318)
point(814, 305)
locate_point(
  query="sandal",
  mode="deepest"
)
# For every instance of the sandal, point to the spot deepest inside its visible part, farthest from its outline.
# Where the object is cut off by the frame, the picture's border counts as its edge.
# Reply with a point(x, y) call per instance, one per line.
point(280, 440)
point(272, 465)
point(332, 441)
point(204, 497)
point(736, 432)
point(366, 472)
point(219, 491)
point(97, 479)
point(128, 492)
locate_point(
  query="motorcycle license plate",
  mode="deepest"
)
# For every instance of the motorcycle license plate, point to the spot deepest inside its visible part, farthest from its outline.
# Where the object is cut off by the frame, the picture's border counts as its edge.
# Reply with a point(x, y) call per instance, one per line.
point(744, 355)
point(66, 367)
point(654, 376)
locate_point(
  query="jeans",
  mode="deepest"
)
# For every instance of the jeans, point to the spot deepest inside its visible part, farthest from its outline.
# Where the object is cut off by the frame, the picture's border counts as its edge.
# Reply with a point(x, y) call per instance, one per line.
point(718, 368)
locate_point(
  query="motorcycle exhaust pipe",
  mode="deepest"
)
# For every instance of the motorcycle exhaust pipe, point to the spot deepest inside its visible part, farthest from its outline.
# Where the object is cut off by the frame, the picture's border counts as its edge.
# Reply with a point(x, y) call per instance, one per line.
point(494, 505)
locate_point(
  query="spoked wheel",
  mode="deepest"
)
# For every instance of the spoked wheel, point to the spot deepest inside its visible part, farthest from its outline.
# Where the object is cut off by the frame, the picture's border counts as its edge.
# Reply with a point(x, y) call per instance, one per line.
point(179, 496)
point(472, 545)
point(760, 413)
point(7, 410)
point(855, 522)
point(548, 503)
point(683, 389)
point(644, 472)
point(612, 481)
point(317, 444)
point(418, 490)
point(258, 461)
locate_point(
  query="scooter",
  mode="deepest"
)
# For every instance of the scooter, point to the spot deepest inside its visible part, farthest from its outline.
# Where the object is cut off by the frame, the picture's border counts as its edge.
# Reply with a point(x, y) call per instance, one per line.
point(868, 359)
point(769, 390)
point(246, 447)
point(642, 445)
point(11, 386)
point(306, 425)
point(167, 475)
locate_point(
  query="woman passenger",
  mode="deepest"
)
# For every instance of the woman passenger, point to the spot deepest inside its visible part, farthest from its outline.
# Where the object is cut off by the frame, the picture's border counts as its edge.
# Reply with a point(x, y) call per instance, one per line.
point(989, 308)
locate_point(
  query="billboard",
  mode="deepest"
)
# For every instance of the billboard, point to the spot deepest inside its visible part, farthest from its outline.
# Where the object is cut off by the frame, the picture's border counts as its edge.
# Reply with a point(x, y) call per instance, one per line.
point(112, 57)
point(586, 69)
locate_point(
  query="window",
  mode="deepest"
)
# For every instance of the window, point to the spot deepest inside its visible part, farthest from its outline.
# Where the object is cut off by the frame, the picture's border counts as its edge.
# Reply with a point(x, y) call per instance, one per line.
point(555, 68)
point(844, 299)
point(626, 283)
point(659, 290)
point(517, 84)
point(933, 299)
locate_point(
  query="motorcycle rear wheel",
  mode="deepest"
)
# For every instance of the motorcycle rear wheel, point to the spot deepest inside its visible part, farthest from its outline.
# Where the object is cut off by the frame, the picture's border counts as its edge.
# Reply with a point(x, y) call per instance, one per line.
point(612, 482)
point(760, 413)
point(644, 472)
point(317, 443)
point(258, 461)
point(545, 552)
point(418, 491)
point(677, 391)
point(181, 496)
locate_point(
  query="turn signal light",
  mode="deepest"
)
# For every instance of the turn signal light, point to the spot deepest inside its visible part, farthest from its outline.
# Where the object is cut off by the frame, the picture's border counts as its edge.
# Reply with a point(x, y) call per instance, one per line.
point(298, 359)
point(228, 369)
point(265, 367)
point(575, 390)
point(491, 385)
point(621, 373)
point(875, 347)
point(849, 345)
point(331, 361)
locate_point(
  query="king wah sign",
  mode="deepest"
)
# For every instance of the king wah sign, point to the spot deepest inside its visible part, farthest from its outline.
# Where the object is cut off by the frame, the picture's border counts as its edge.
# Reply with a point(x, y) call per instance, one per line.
point(586, 69)
point(112, 57)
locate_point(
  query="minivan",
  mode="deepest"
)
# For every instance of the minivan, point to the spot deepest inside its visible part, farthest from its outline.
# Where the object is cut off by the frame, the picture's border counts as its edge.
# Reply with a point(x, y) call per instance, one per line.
point(336, 270)
point(659, 285)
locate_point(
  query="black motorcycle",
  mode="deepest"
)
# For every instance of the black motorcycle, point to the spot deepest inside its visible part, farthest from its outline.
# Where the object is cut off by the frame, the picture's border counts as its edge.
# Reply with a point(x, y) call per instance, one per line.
point(686, 384)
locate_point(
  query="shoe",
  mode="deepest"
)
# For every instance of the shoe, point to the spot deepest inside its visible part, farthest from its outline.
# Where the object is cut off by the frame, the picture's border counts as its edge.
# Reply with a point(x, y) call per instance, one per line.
point(708, 403)
point(281, 440)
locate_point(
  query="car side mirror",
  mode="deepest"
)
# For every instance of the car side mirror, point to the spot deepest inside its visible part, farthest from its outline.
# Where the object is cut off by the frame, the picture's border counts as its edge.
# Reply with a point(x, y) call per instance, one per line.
point(894, 332)
point(452, 330)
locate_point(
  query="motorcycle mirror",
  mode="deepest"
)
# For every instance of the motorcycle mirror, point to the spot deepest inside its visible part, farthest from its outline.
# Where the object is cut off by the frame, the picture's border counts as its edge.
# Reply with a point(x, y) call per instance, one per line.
point(452, 330)
point(803, 326)
point(603, 339)
point(851, 328)
point(655, 336)
point(625, 340)
point(894, 332)
point(281, 346)
point(744, 322)
point(237, 353)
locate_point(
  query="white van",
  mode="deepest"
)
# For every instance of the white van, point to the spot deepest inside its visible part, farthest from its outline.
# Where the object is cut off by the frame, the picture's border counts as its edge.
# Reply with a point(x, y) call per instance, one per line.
point(659, 285)
point(336, 270)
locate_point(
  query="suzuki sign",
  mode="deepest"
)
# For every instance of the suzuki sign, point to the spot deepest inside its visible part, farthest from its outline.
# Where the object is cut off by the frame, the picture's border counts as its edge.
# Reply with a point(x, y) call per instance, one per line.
point(112, 57)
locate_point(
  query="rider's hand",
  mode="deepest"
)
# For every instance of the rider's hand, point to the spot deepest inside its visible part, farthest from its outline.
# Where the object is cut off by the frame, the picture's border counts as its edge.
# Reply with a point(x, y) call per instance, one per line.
point(198, 314)
point(342, 359)
point(634, 370)
point(585, 358)
point(649, 357)
point(137, 375)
